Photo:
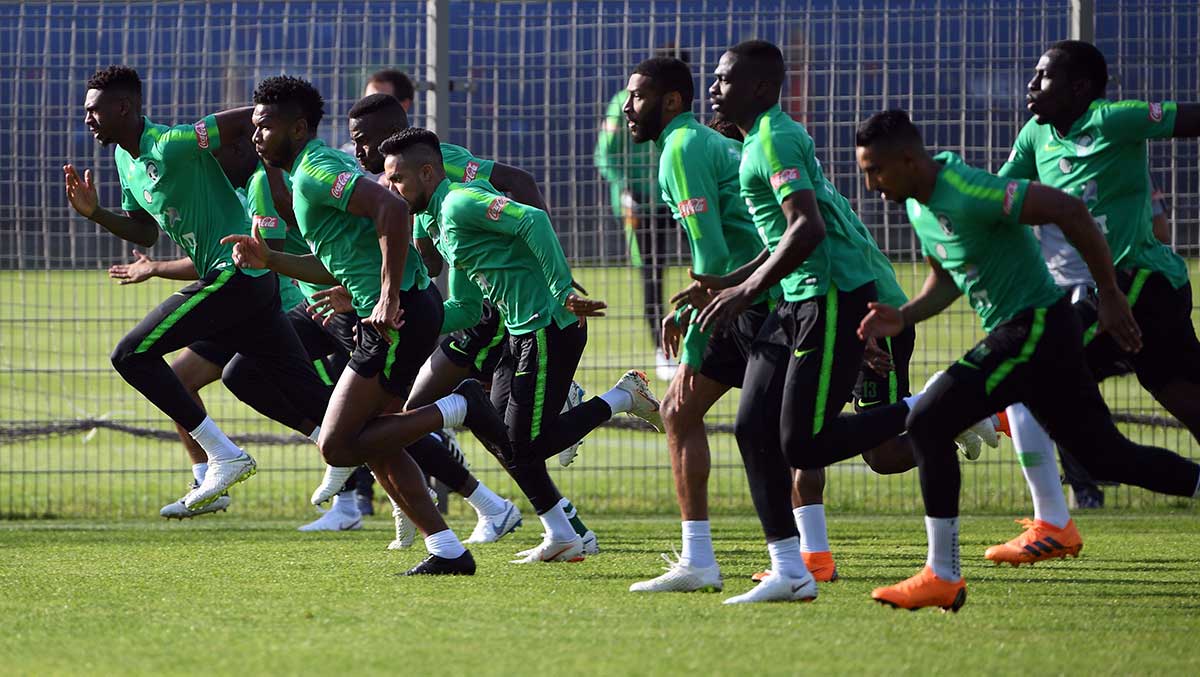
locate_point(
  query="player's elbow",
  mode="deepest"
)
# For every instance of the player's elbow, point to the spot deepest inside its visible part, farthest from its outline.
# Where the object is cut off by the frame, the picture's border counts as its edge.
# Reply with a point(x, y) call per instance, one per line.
point(147, 238)
point(807, 233)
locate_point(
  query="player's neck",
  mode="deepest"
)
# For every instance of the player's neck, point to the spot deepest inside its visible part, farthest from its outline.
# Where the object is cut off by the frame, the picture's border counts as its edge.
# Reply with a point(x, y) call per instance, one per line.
point(927, 173)
point(131, 140)
point(1064, 124)
point(752, 116)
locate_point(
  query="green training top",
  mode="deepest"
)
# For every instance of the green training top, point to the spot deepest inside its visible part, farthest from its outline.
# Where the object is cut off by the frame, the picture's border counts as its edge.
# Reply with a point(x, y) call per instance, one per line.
point(778, 159)
point(264, 215)
point(176, 179)
point(624, 164)
point(971, 228)
point(322, 181)
point(507, 250)
point(1102, 161)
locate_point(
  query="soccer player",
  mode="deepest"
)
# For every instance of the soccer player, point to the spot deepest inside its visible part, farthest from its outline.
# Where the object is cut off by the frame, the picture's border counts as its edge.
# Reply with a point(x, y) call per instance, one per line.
point(970, 226)
point(507, 252)
point(170, 179)
point(1095, 149)
point(393, 82)
point(360, 238)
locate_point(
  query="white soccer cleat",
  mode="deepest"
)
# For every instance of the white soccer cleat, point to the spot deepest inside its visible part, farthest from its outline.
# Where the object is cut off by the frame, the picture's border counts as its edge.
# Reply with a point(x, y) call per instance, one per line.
point(664, 367)
point(333, 520)
point(777, 588)
point(220, 477)
point(331, 484)
point(645, 404)
point(491, 528)
point(179, 511)
point(970, 441)
point(552, 551)
point(986, 430)
point(574, 398)
point(969, 445)
point(682, 578)
point(591, 545)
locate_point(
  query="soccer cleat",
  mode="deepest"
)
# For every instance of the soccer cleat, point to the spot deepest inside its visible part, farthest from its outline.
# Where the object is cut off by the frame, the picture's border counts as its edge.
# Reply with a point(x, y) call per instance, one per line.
point(331, 484)
point(645, 404)
point(482, 418)
point(664, 367)
point(333, 520)
point(969, 445)
point(220, 477)
point(819, 564)
point(574, 398)
point(406, 531)
point(924, 589)
point(1002, 425)
point(1040, 541)
point(491, 528)
point(463, 565)
point(777, 588)
point(591, 545)
point(682, 578)
point(553, 551)
point(179, 511)
point(970, 441)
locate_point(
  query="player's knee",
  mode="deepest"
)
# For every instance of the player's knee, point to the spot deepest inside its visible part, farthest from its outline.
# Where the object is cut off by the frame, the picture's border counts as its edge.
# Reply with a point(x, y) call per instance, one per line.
point(338, 451)
point(124, 356)
point(676, 413)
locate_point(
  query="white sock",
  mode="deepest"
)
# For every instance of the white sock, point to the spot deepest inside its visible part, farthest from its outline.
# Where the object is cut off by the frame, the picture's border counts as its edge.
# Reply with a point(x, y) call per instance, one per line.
point(558, 527)
point(214, 442)
point(198, 470)
point(1035, 453)
point(618, 401)
point(786, 559)
point(315, 434)
point(568, 508)
point(346, 503)
point(943, 548)
point(697, 544)
point(444, 544)
point(810, 520)
point(454, 410)
point(485, 501)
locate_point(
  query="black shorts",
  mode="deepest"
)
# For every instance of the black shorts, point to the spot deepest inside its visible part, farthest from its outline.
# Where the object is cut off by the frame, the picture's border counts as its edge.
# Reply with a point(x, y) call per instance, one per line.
point(874, 389)
point(534, 380)
point(727, 351)
point(481, 347)
point(1164, 313)
point(397, 362)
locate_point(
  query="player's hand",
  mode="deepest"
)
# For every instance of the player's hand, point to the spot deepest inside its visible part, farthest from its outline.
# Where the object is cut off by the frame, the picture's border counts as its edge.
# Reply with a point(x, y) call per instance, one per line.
point(249, 251)
point(328, 302)
point(387, 316)
point(584, 308)
point(711, 282)
point(672, 333)
point(695, 295)
point(81, 193)
point(881, 320)
point(140, 270)
point(629, 210)
point(1115, 317)
point(876, 358)
point(725, 307)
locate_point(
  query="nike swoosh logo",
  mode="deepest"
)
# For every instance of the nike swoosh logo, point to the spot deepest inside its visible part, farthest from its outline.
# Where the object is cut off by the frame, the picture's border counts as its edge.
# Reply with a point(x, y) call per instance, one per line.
point(802, 353)
point(796, 588)
point(1050, 146)
point(867, 404)
point(454, 347)
point(523, 373)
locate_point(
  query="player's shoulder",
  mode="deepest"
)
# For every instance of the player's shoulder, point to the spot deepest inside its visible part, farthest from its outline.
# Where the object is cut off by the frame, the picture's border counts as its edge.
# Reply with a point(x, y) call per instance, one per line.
point(972, 189)
point(1104, 111)
point(323, 165)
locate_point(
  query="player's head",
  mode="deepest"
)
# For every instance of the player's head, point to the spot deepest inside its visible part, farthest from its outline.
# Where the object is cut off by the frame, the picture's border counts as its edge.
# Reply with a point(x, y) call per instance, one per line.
point(890, 150)
point(373, 119)
point(748, 79)
point(1067, 78)
point(413, 165)
point(726, 128)
point(392, 82)
point(659, 89)
point(113, 103)
point(287, 111)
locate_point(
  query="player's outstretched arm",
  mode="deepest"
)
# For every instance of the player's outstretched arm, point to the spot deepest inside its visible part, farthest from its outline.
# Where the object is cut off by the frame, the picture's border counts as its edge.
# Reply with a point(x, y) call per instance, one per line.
point(143, 268)
point(252, 251)
point(234, 124)
point(1046, 205)
point(281, 197)
point(1187, 121)
point(429, 255)
point(137, 227)
point(393, 225)
point(936, 295)
point(518, 183)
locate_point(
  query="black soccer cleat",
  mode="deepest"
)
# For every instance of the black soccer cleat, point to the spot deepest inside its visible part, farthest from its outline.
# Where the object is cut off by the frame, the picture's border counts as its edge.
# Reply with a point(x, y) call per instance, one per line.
point(463, 565)
point(483, 419)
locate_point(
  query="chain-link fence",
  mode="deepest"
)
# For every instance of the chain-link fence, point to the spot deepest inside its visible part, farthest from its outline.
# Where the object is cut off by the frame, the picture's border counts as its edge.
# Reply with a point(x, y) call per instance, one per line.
point(527, 83)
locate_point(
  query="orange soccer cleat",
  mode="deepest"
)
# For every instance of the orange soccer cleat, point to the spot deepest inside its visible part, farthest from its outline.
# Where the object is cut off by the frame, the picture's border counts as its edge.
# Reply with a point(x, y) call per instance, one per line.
point(819, 564)
point(924, 589)
point(1040, 541)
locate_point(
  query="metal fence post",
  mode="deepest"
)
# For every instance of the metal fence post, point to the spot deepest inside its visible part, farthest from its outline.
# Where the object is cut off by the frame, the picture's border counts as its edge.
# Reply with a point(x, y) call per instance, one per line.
point(437, 66)
point(1082, 20)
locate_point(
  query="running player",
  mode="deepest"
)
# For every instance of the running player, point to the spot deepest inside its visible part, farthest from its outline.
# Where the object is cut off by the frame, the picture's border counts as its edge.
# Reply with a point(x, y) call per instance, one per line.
point(969, 224)
point(1095, 149)
point(169, 178)
point(507, 252)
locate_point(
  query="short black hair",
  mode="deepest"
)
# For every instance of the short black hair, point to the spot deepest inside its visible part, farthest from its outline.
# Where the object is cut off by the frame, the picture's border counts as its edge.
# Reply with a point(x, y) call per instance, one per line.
point(408, 138)
point(1084, 61)
point(116, 78)
point(674, 52)
point(726, 128)
point(296, 93)
point(402, 86)
point(764, 56)
point(890, 127)
point(380, 103)
point(669, 75)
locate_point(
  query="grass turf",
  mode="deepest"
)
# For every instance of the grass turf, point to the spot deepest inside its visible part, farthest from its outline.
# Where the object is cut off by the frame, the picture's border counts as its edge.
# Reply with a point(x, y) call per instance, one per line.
point(222, 594)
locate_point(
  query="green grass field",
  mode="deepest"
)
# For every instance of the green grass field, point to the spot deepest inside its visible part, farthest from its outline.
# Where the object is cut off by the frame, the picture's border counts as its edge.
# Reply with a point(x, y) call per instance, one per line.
point(226, 595)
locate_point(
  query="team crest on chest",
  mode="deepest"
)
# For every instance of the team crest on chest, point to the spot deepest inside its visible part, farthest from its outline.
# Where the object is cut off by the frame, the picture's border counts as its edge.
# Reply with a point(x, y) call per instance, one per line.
point(1083, 145)
point(147, 196)
point(1065, 166)
point(945, 225)
point(941, 250)
point(152, 170)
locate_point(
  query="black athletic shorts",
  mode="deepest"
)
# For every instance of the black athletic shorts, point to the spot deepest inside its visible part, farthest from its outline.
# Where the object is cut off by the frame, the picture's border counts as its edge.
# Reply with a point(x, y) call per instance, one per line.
point(874, 389)
point(481, 347)
point(320, 342)
point(534, 380)
point(396, 362)
point(727, 351)
point(1164, 313)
